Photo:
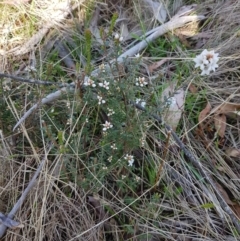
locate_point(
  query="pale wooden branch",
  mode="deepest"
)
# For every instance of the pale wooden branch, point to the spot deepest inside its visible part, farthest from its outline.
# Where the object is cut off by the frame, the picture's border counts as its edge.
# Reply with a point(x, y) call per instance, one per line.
point(49, 98)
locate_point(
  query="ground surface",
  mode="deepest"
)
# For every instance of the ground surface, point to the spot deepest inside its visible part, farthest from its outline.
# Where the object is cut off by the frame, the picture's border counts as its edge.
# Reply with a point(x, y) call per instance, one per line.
point(111, 169)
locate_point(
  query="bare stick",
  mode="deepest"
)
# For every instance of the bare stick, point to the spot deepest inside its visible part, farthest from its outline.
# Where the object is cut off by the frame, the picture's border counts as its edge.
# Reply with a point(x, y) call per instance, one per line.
point(49, 98)
point(32, 81)
point(20, 201)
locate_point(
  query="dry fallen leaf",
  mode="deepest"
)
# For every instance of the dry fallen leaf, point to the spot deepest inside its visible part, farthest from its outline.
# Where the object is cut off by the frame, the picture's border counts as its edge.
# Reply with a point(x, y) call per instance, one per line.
point(220, 124)
point(192, 88)
point(203, 114)
point(156, 65)
point(175, 108)
point(232, 152)
point(236, 209)
point(227, 108)
point(224, 194)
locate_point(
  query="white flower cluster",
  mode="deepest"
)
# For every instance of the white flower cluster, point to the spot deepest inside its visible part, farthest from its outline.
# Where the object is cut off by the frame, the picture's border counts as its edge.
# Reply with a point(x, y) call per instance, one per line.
point(141, 81)
point(130, 159)
point(207, 61)
point(89, 82)
point(110, 112)
point(113, 146)
point(102, 67)
point(105, 85)
point(110, 158)
point(118, 37)
point(142, 141)
point(100, 100)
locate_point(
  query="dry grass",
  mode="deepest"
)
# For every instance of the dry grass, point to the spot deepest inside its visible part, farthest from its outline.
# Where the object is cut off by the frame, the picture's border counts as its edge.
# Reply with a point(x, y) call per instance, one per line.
point(72, 199)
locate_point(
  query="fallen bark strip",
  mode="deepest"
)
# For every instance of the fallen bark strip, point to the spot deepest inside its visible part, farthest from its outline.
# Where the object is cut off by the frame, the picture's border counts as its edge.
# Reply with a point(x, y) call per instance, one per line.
point(10, 216)
point(176, 22)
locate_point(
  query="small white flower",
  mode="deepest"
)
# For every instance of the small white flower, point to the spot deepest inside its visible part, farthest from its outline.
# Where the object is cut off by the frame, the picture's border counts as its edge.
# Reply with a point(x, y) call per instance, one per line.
point(142, 103)
point(207, 61)
point(6, 88)
point(113, 146)
point(31, 68)
point(107, 126)
point(101, 100)
point(69, 121)
point(110, 158)
point(105, 85)
point(142, 140)
point(130, 160)
point(104, 168)
point(68, 104)
point(123, 177)
point(89, 82)
point(118, 37)
point(141, 81)
point(137, 178)
point(110, 112)
point(102, 67)
point(137, 55)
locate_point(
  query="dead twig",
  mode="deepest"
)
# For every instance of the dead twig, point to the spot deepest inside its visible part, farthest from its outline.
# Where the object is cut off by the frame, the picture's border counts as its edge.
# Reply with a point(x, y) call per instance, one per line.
point(32, 81)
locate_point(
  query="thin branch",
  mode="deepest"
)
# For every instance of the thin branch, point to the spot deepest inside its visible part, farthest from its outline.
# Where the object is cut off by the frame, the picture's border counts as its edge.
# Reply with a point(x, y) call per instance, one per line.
point(32, 81)
point(49, 98)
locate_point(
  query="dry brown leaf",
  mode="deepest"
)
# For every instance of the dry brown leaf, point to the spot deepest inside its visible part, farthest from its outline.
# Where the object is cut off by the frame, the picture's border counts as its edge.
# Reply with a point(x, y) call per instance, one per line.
point(203, 114)
point(224, 194)
point(184, 40)
point(236, 209)
point(220, 124)
point(232, 152)
point(175, 108)
point(226, 108)
point(193, 89)
point(156, 65)
point(205, 35)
